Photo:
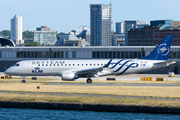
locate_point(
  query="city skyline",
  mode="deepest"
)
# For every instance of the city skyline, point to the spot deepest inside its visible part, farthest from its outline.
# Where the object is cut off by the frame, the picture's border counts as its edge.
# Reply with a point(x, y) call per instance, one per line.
point(64, 16)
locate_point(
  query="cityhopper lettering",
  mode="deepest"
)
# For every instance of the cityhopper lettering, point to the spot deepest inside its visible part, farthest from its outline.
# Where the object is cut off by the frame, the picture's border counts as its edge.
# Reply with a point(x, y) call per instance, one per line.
point(48, 62)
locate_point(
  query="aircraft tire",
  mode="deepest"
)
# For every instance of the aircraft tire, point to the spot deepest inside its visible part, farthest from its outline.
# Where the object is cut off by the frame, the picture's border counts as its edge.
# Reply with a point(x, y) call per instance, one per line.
point(23, 81)
point(89, 80)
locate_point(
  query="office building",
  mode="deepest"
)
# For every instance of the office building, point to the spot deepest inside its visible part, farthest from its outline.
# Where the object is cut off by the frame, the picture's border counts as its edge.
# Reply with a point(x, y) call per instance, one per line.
point(125, 26)
point(100, 22)
point(83, 33)
point(16, 30)
point(120, 27)
point(81, 43)
point(118, 40)
point(153, 34)
point(44, 36)
point(62, 38)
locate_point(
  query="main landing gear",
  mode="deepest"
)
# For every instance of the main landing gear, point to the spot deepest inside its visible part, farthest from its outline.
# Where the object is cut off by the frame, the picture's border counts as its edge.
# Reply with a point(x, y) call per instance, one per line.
point(23, 81)
point(89, 80)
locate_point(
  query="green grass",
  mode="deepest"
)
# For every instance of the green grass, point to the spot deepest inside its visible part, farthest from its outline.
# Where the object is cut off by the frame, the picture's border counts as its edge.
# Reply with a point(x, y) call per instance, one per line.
point(91, 100)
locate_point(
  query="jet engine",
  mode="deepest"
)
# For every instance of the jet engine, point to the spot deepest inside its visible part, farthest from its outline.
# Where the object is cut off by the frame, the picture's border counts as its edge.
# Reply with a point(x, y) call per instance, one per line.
point(68, 76)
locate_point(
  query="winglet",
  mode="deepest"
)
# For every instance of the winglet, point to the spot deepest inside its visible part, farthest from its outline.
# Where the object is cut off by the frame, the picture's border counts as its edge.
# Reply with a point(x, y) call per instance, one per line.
point(107, 65)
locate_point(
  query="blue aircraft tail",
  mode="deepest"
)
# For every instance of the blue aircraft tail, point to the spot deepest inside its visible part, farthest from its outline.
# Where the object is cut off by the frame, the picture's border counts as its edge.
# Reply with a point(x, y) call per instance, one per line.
point(161, 52)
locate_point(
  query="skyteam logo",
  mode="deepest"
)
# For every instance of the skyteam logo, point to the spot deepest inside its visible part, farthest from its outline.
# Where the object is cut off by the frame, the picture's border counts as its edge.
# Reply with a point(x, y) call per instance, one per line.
point(37, 70)
point(124, 66)
point(163, 49)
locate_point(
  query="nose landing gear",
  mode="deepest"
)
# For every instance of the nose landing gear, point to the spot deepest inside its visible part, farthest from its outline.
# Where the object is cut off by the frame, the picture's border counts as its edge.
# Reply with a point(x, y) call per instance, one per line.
point(89, 80)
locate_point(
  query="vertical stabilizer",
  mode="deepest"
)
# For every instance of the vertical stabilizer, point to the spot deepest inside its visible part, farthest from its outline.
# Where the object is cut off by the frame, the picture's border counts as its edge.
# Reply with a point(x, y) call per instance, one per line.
point(161, 51)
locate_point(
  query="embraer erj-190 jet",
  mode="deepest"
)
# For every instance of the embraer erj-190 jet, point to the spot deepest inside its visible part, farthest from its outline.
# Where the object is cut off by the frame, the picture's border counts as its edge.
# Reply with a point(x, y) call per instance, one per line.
point(70, 70)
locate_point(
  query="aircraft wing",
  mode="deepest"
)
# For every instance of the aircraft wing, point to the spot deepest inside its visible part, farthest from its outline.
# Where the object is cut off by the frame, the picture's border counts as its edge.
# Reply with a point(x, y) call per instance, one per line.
point(91, 71)
point(165, 63)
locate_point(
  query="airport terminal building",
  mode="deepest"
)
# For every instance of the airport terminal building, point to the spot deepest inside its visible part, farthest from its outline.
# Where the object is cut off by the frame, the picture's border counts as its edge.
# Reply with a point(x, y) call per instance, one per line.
point(11, 55)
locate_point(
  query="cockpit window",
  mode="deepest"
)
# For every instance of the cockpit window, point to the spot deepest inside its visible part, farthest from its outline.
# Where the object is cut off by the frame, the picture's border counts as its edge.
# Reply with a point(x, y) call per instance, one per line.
point(16, 65)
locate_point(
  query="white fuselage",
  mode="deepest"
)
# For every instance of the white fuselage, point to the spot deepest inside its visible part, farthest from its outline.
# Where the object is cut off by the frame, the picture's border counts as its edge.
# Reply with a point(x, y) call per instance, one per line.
point(56, 67)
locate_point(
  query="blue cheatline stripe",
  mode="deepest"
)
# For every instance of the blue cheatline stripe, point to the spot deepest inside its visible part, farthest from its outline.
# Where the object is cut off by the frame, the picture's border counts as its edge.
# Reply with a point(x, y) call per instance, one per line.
point(122, 66)
point(128, 68)
point(116, 64)
point(107, 65)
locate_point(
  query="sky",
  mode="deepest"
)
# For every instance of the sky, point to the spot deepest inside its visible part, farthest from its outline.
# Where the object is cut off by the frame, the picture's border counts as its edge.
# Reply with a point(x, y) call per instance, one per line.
point(66, 15)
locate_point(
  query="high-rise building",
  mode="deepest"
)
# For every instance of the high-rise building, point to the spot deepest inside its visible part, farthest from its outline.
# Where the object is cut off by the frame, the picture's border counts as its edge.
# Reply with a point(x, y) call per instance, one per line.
point(120, 27)
point(125, 26)
point(100, 23)
point(16, 30)
point(44, 36)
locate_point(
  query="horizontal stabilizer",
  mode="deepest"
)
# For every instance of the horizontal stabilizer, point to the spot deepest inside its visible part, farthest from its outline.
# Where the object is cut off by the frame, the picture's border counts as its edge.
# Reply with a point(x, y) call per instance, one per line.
point(165, 63)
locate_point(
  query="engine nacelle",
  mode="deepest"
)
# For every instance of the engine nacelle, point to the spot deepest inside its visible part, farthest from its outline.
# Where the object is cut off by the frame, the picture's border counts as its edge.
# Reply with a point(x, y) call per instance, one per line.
point(69, 76)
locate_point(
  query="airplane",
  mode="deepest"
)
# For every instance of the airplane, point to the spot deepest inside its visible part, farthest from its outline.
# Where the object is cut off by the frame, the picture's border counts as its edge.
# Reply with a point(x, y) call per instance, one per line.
point(69, 70)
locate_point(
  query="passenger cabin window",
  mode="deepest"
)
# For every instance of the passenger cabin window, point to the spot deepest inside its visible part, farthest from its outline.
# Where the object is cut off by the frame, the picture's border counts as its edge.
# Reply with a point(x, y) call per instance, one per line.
point(42, 64)
point(77, 64)
point(86, 64)
point(73, 64)
point(38, 64)
point(61, 64)
point(69, 64)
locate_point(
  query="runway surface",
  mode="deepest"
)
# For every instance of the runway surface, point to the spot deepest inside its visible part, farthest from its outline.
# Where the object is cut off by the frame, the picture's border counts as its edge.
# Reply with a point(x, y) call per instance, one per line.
point(130, 77)
point(116, 84)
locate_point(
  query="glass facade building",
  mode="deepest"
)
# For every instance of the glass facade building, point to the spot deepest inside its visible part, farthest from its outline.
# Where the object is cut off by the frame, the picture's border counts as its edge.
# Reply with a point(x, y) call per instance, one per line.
point(100, 23)
point(44, 36)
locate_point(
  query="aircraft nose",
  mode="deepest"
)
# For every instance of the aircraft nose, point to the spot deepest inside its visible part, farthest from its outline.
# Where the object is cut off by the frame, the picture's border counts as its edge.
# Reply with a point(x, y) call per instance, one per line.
point(7, 71)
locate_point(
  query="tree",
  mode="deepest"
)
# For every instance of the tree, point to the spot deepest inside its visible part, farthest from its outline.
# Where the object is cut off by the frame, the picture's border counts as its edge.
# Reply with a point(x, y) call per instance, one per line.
point(28, 34)
point(61, 33)
point(5, 33)
point(33, 44)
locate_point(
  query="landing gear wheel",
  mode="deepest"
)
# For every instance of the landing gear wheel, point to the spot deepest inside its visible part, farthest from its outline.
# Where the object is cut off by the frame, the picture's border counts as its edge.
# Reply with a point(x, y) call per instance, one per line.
point(89, 80)
point(23, 81)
